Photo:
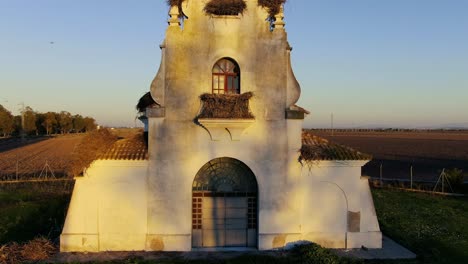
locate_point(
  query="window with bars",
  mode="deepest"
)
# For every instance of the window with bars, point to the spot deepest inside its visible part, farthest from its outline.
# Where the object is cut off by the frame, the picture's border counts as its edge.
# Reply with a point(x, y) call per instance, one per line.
point(196, 212)
point(252, 213)
point(226, 77)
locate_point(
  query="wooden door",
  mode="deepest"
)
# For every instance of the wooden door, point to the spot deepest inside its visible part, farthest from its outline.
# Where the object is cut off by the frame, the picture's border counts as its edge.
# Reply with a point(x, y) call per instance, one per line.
point(224, 205)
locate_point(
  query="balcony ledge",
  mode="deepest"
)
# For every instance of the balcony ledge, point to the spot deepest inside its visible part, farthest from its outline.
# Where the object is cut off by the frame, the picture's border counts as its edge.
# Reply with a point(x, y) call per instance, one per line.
point(218, 126)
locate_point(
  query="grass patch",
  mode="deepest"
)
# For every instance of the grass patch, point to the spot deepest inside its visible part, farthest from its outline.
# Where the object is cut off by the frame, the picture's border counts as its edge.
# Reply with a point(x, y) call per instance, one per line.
point(29, 210)
point(433, 227)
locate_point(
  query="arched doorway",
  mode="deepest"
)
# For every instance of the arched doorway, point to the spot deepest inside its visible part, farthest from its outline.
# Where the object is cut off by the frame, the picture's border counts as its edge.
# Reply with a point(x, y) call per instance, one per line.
point(224, 205)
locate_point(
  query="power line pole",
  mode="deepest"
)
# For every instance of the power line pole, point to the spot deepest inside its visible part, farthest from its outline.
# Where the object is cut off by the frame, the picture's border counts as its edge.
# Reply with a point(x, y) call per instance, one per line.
point(22, 121)
point(411, 176)
point(331, 123)
point(381, 175)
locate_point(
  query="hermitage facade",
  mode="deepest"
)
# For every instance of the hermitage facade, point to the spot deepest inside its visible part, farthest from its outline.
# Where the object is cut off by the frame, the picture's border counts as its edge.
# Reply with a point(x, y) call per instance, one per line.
point(227, 163)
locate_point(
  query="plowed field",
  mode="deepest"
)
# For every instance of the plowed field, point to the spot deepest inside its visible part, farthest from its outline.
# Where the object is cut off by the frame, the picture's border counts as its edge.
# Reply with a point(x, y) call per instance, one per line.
point(428, 152)
point(405, 145)
point(25, 162)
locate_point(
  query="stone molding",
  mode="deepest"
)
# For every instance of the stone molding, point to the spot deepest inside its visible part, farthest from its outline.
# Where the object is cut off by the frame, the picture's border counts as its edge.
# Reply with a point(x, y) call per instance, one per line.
point(156, 112)
point(218, 126)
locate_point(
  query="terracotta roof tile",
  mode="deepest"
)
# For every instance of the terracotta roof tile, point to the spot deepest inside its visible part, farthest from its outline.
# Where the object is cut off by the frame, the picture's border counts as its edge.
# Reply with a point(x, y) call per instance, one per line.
point(127, 149)
point(300, 109)
point(313, 148)
point(317, 148)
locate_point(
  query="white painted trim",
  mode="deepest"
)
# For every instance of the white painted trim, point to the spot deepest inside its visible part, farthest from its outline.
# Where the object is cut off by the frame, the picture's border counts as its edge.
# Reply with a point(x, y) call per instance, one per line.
point(218, 126)
point(119, 163)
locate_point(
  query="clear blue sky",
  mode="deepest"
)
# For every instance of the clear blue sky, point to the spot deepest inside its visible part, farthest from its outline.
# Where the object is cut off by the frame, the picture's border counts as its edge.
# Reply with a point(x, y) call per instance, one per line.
point(371, 63)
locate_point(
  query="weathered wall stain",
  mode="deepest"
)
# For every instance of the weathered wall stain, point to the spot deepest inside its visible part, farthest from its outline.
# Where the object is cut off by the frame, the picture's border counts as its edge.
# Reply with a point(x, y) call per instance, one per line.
point(354, 221)
point(157, 244)
point(279, 241)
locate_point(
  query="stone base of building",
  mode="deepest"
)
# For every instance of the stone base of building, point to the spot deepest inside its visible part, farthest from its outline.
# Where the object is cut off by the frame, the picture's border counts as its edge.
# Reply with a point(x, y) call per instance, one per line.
point(183, 242)
point(328, 240)
point(79, 243)
point(124, 242)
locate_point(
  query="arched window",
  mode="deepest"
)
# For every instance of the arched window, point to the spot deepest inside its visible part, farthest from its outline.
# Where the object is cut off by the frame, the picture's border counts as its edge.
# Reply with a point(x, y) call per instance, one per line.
point(226, 77)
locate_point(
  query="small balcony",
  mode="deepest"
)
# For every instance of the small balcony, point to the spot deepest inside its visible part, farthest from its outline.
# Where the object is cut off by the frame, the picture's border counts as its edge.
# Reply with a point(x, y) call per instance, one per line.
point(225, 113)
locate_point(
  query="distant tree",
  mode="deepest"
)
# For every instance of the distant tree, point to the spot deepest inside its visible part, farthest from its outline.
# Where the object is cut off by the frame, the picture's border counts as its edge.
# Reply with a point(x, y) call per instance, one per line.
point(40, 118)
point(29, 121)
point(65, 121)
point(17, 126)
point(6, 122)
point(90, 124)
point(50, 121)
point(57, 128)
point(78, 123)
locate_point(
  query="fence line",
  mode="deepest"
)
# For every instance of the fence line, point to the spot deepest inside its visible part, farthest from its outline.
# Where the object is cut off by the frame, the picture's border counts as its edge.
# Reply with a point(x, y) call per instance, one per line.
point(401, 180)
point(39, 180)
point(16, 170)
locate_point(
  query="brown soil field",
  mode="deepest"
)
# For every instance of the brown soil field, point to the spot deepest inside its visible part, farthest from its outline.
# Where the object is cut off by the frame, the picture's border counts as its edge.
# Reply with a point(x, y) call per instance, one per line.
point(29, 159)
point(428, 152)
point(26, 159)
point(405, 145)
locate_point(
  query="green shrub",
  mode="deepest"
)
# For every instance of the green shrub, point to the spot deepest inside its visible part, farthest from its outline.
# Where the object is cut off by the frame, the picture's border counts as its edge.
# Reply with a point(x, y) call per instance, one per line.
point(313, 253)
point(455, 178)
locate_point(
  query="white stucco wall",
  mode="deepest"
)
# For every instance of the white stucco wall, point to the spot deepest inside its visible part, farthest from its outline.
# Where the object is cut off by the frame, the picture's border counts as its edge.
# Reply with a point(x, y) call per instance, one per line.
point(108, 208)
point(331, 190)
point(295, 202)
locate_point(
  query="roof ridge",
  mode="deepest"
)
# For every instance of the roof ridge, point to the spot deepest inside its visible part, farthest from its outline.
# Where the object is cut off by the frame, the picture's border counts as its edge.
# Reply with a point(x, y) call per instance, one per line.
point(129, 148)
point(317, 148)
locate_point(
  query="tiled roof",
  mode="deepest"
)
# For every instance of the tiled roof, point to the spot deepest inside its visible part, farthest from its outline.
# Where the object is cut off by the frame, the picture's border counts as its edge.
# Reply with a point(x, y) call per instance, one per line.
point(133, 148)
point(313, 148)
point(300, 109)
point(317, 148)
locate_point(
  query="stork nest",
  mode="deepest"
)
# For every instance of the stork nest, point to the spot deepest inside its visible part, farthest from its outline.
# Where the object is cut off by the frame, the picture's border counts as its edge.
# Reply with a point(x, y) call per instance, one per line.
point(233, 7)
point(272, 6)
point(225, 7)
point(177, 3)
point(226, 106)
point(145, 101)
point(311, 152)
point(174, 2)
